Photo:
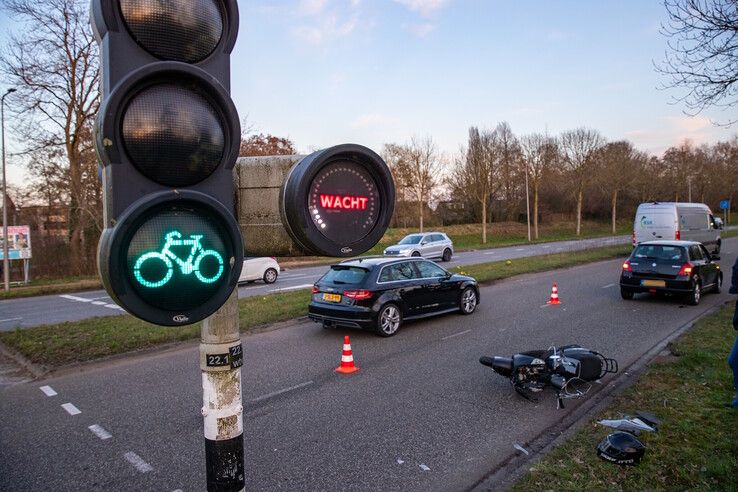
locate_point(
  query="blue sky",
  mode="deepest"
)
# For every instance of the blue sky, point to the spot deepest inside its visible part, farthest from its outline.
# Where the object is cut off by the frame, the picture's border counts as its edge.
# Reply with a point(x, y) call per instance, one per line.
point(323, 72)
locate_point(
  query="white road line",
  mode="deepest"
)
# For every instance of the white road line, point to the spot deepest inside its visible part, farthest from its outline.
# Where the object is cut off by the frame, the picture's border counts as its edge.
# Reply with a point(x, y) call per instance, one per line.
point(279, 392)
point(9, 319)
point(100, 432)
point(71, 409)
point(545, 305)
point(48, 390)
point(98, 298)
point(296, 276)
point(456, 334)
point(136, 461)
point(608, 286)
point(519, 249)
point(546, 246)
point(99, 303)
point(75, 298)
point(294, 287)
point(491, 253)
point(114, 306)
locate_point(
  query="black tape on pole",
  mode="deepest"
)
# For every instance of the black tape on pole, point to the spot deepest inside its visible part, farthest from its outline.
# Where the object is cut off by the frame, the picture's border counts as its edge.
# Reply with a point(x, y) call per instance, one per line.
point(224, 464)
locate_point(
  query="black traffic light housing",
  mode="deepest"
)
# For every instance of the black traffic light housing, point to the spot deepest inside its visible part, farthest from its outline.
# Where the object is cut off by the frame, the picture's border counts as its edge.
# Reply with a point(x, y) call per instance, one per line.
point(167, 137)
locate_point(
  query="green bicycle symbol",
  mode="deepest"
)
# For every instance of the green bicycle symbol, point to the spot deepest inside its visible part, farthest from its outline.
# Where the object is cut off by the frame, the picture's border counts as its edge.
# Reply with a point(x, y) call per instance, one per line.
point(187, 267)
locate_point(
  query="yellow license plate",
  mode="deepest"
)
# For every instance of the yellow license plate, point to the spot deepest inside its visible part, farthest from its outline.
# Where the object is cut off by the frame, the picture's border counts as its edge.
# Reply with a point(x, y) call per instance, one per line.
point(332, 297)
point(654, 283)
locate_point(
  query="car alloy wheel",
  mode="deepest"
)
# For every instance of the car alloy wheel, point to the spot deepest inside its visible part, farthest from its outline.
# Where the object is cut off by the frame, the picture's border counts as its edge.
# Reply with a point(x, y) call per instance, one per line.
point(694, 296)
point(446, 255)
point(468, 300)
point(270, 276)
point(388, 321)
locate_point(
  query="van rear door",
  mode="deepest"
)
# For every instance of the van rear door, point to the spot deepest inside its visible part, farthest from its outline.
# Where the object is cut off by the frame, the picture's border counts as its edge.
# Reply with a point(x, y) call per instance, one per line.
point(655, 224)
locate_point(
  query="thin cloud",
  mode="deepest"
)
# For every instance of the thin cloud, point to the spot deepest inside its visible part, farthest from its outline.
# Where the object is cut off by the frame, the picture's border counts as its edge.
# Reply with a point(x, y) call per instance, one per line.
point(329, 29)
point(420, 30)
point(424, 7)
point(311, 7)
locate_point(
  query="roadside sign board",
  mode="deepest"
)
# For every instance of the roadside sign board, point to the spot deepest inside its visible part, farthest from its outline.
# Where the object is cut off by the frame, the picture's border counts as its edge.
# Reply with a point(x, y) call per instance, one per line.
point(724, 204)
point(19, 243)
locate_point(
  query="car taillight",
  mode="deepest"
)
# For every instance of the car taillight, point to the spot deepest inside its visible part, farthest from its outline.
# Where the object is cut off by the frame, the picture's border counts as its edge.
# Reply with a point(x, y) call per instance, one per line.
point(686, 270)
point(678, 235)
point(315, 289)
point(627, 267)
point(359, 295)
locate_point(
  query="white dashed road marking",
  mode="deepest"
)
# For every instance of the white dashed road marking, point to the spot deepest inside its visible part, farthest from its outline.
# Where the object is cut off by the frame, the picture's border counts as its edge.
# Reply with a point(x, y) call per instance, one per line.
point(100, 432)
point(456, 334)
point(71, 409)
point(99, 303)
point(75, 298)
point(608, 286)
point(9, 319)
point(490, 253)
point(519, 249)
point(48, 390)
point(136, 461)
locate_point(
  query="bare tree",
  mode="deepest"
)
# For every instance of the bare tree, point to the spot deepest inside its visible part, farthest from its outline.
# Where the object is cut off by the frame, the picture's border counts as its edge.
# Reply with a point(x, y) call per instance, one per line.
point(417, 167)
point(54, 67)
point(619, 162)
point(510, 167)
point(539, 153)
point(678, 162)
point(579, 151)
point(473, 173)
point(702, 54)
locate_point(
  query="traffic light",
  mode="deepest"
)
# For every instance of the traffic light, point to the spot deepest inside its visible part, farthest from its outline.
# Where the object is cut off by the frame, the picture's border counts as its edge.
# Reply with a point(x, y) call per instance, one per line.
point(334, 202)
point(167, 137)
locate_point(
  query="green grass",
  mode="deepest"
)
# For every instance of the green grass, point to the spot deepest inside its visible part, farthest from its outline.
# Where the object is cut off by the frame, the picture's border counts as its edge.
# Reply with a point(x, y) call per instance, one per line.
point(696, 446)
point(47, 286)
point(469, 236)
point(67, 343)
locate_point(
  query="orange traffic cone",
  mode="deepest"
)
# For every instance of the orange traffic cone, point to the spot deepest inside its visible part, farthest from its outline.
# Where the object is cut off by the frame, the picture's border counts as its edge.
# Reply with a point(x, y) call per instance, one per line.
point(347, 359)
point(554, 295)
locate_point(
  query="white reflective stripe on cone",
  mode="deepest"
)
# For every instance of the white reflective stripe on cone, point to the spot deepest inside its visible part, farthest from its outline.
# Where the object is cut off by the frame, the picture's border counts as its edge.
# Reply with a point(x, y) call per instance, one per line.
point(347, 358)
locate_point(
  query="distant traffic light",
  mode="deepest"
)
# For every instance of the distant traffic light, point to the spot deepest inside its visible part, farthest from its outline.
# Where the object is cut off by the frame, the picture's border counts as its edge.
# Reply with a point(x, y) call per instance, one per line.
point(167, 137)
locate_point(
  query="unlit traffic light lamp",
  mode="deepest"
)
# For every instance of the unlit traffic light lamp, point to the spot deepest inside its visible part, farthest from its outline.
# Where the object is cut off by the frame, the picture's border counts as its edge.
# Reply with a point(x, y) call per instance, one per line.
point(168, 135)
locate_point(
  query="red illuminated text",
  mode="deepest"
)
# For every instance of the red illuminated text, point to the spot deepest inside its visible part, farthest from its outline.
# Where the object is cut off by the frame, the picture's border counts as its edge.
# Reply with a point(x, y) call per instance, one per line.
point(344, 202)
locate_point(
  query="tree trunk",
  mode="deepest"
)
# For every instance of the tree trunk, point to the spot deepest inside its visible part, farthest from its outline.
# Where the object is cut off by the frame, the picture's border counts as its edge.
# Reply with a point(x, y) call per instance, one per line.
point(579, 213)
point(484, 221)
point(614, 208)
point(420, 208)
point(535, 210)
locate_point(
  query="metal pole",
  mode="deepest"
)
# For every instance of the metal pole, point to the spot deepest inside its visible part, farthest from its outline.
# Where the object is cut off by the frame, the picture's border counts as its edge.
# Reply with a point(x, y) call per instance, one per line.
point(221, 358)
point(689, 185)
point(6, 264)
point(527, 200)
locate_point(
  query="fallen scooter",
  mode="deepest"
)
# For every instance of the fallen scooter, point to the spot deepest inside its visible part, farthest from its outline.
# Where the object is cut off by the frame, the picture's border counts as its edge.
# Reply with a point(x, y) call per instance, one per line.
point(569, 370)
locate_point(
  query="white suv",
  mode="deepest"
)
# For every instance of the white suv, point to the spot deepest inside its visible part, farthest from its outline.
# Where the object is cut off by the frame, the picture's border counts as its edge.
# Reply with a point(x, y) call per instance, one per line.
point(425, 244)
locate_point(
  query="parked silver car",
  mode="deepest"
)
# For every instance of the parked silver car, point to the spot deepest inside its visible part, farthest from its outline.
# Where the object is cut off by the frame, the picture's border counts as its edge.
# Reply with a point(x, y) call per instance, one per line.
point(425, 244)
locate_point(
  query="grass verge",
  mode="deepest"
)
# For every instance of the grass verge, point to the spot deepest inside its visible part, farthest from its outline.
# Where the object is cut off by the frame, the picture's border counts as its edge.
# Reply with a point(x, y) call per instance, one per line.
point(66, 343)
point(696, 446)
point(43, 287)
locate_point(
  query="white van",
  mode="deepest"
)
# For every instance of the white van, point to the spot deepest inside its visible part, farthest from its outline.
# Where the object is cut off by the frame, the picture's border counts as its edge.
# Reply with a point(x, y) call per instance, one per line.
point(675, 221)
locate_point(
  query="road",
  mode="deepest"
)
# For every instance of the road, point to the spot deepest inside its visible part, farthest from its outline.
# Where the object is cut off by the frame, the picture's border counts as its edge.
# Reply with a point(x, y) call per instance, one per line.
point(421, 414)
point(41, 310)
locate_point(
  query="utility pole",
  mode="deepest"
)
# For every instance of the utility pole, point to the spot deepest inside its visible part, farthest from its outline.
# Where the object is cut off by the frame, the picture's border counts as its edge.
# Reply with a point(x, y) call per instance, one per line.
point(527, 200)
point(6, 263)
point(221, 358)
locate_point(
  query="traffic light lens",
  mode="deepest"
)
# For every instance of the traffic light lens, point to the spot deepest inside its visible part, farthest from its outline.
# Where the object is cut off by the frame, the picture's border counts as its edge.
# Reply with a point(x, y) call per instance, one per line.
point(178, 30)
point(178, 258)
point(344, 202)
point(173, 135)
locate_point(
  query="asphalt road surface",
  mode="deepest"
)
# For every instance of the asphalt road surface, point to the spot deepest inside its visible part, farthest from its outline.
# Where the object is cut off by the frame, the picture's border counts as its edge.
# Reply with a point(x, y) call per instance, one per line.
point(421, 414)
point(41, 310)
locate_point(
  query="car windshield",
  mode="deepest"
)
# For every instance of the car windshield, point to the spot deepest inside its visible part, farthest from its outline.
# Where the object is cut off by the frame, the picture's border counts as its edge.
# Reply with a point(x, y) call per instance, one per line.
point(411, 239)
point(660, 252)
point(340, 274)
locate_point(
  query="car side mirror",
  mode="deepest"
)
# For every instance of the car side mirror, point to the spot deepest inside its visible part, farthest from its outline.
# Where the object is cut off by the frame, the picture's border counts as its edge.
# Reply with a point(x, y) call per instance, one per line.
point(714, 257)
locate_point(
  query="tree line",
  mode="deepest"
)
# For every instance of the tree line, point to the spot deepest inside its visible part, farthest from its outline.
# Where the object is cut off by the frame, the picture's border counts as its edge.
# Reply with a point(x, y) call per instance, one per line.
point(577, 173)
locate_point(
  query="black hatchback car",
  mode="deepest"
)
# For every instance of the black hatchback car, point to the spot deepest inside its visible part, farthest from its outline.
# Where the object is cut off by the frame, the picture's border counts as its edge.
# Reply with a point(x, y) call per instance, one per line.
point(670, 267)
point(380, 293)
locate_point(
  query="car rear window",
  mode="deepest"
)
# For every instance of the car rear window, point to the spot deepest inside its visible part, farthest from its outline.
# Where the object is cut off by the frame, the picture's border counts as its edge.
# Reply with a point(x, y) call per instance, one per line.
point(660, 252)
point(339, 274)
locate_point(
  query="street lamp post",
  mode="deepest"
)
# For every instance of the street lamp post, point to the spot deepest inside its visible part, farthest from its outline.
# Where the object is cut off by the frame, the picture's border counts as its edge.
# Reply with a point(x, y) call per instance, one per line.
point(6, 263)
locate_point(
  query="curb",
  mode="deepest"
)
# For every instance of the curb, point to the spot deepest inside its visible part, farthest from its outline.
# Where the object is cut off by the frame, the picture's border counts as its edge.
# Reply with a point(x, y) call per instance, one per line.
point(507, 473)
point(36, 370)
